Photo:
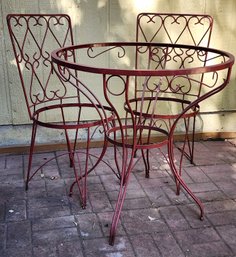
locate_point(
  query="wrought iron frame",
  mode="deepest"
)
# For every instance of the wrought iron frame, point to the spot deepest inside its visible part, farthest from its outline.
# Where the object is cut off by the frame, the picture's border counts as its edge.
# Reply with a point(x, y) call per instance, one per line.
point(203, 68)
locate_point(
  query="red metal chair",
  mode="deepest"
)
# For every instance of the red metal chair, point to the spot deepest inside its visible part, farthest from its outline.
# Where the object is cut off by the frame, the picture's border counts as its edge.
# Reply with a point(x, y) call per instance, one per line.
point(50, 103)
point(190, 29)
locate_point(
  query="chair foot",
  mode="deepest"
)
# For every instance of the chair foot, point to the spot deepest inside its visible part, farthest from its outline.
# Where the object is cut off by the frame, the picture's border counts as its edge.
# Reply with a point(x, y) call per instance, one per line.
point(71, 163)
point(178, 190)
point(111, 240)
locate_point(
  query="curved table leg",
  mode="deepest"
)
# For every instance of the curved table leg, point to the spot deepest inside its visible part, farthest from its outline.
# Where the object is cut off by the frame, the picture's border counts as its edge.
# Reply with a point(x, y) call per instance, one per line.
point(179, 180)
point(126, 170)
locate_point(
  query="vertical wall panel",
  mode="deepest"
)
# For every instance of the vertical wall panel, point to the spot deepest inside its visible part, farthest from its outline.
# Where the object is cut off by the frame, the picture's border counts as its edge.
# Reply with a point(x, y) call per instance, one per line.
point(224, 37)
point(5, 104)
point(18, 108)
point(114, 20)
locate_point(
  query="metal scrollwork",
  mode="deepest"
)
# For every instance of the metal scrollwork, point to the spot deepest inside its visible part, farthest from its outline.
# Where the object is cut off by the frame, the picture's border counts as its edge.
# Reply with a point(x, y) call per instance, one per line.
point(116, 85)
point(91, 52)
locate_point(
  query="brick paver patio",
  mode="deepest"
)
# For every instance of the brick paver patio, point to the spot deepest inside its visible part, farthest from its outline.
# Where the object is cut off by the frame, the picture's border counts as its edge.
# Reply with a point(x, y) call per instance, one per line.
point(45, 221)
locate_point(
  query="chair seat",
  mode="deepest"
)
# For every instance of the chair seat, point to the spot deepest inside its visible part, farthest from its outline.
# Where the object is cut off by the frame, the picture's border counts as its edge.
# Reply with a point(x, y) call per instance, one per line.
point(103, 113)
point(160, 111)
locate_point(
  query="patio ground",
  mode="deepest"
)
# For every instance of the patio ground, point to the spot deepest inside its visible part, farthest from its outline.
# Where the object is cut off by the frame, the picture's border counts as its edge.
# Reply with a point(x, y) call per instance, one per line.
point(45, 221)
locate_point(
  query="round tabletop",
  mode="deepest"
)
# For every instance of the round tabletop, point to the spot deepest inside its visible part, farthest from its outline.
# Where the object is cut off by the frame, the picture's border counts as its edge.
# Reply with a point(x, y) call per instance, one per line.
point(172, 59)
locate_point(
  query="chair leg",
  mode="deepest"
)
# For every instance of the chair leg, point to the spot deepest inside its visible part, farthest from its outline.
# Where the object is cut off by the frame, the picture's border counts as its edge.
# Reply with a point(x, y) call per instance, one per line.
point(126, 170)
point(32, 144)
point(116, 153)
point(84, 183)
point(190, 141)
point(182, 154)
point(193, 141)
point(118, 174)
point(75, 143)
point(69, 148)
point(146, 162)
point(80, 173)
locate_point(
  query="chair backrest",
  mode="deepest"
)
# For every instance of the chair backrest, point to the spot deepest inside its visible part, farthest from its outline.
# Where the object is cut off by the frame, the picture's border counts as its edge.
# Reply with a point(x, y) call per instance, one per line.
point(34, 37)
point(173, 28)
point(190, 29)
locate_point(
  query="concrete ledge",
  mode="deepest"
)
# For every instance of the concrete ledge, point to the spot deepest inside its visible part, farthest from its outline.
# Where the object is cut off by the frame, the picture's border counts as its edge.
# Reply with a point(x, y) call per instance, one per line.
point(98, 143)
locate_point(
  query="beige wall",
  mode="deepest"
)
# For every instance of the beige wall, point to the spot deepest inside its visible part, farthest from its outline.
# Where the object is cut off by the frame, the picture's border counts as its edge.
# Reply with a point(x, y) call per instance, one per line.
point(104, 20)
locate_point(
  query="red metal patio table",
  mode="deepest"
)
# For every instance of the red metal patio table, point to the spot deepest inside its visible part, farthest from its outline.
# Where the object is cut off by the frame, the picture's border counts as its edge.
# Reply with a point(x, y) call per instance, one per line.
point(110, 70)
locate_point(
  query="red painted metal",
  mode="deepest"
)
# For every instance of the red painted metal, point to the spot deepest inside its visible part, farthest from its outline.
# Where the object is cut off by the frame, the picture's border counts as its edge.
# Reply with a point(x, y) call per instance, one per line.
point(190, 29)
point(199, 71)
point(47, 98)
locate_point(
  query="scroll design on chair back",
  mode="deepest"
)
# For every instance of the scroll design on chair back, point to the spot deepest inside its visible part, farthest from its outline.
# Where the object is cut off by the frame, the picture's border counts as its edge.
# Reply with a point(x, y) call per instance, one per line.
point(33, 38)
